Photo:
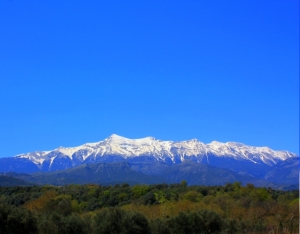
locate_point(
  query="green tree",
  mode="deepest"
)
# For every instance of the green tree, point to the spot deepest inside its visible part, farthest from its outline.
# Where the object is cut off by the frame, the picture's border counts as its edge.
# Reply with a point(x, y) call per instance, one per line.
point(21, 221)
point(139, 190)
point(116, 221)
point(158, 226)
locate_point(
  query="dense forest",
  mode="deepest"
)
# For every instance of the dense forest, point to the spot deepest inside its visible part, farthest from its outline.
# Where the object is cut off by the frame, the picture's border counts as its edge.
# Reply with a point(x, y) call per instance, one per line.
point(159, 209)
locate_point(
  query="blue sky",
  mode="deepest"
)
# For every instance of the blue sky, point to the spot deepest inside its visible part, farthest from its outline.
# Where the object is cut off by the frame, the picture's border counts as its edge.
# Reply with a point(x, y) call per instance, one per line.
point(78, 71)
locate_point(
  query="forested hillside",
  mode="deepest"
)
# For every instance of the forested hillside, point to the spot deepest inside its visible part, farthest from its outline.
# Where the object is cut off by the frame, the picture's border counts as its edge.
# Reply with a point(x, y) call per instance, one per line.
point(160, 208)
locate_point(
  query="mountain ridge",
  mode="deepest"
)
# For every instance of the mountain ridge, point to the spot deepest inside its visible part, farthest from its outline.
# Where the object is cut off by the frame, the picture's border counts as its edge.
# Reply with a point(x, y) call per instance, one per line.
point(124, 172)
point(153, 157)
point(161, 150)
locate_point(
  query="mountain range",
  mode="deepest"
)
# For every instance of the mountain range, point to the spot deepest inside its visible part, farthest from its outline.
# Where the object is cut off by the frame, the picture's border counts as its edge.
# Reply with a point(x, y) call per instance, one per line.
point(148, 160)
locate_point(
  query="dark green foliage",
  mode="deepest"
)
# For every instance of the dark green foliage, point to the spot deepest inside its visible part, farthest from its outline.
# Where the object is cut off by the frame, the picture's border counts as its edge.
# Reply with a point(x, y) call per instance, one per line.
point(75, 224)
point(232, 208)
point(158, 226)
point(61, 206)
point(135, 223)
point(55, 224)
point(231, 226)
point(4, 212)
point(211, 221)
point(20, 221)
point(115, 221)
point(108, 221)
point(183, 224)
point(148, 199)
point(205, 222)
point(195, 222)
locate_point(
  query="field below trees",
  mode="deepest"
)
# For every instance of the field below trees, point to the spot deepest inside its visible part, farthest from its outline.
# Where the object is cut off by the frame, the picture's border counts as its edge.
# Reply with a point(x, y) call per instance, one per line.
point(160, 208)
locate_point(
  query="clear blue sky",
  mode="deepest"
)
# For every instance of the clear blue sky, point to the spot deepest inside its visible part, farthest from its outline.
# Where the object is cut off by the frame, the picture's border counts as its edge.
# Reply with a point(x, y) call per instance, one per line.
point(77, 71)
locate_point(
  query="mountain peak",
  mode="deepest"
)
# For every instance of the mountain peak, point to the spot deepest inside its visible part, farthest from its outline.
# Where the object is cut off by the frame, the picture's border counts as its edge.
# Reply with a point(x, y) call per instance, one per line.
point(117, 139)
point(216, 143)
point(115, 136)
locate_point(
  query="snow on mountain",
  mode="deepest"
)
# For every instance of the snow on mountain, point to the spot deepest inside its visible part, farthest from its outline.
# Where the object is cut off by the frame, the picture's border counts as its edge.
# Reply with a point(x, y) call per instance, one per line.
point(117, 146)
point(37, 157)
point(254, 154)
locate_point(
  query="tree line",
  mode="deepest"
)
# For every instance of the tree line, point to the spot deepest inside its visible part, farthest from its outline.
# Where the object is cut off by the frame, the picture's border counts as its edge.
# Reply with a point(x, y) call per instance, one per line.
point(159, 208)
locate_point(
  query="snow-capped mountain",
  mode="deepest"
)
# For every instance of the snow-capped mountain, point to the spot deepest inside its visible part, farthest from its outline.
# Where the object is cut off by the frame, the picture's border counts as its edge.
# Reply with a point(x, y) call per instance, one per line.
point(234, 156)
